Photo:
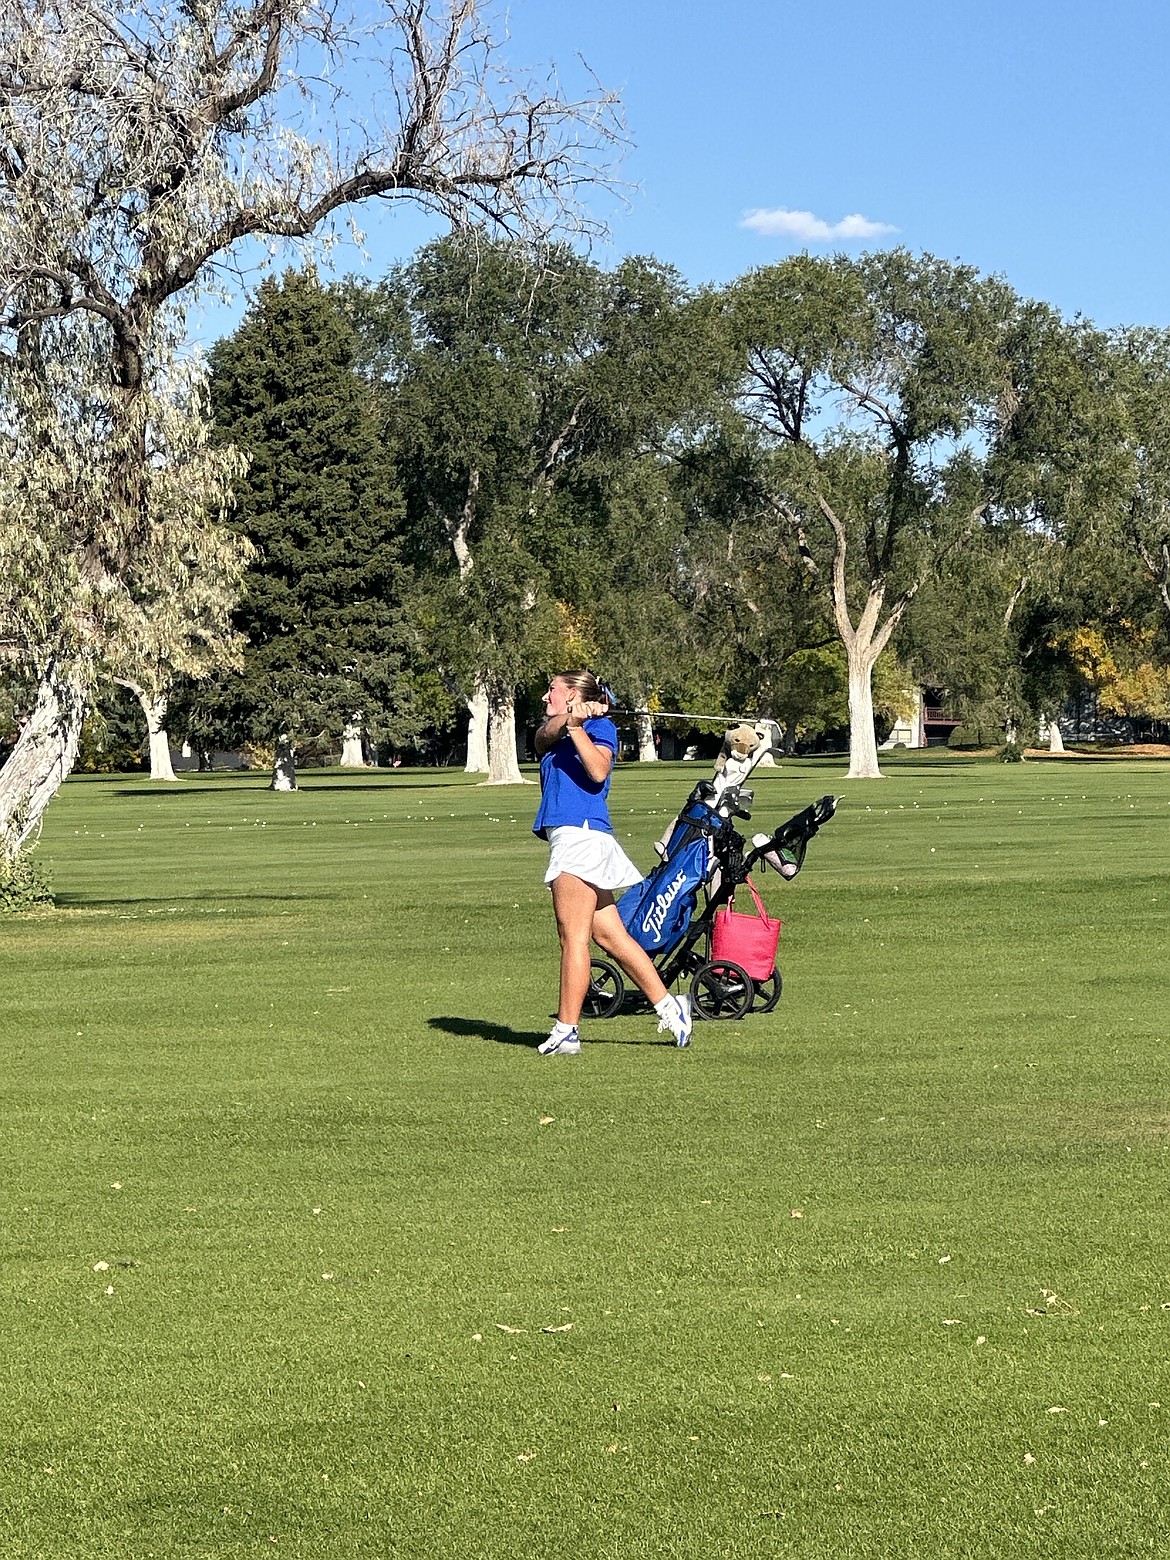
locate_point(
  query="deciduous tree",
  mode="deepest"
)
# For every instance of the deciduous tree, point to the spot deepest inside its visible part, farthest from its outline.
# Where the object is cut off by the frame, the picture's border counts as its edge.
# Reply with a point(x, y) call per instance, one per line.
point(520, 387)
point(140, 147)
point(1123, 436)
point(882, 390)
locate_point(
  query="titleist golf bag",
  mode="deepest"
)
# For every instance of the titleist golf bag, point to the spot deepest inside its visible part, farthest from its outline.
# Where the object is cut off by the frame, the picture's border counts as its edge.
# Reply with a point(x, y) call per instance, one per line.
point(706, 857)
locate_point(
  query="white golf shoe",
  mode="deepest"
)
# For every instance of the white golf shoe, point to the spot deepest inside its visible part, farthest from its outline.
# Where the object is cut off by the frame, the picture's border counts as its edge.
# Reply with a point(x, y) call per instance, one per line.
point(560, 1045)
point(680, 1023)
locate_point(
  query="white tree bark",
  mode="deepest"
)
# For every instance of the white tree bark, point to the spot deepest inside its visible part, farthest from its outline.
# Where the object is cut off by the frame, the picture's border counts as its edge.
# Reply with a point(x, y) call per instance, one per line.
point(141, 147)
point(45, 752)
point(864, 640)
point(1055, 740)
point(458, 530)
point(647, 752)
point(352, 756)
point(863, 757)
point(503, 763)
point(284, 765)
point(477, 733)
point(154, 707)
point(161, 767)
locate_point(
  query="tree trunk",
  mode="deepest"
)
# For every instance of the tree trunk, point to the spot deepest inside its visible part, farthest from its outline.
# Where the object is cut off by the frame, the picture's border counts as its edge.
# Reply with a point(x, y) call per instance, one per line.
point(161, 767)
point(44, 754)
point(863, 758)
point(1055, 740)
point(863, 641)
point(477, 732)
point(647, 752)
point(351, 744)
point(503, 763)
point(154, 707)
point(458, 529)
point(866, 640)
point(284, 765)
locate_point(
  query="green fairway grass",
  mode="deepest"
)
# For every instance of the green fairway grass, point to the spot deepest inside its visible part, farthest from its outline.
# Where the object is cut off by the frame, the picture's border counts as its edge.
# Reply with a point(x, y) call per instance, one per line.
point(309, 1253)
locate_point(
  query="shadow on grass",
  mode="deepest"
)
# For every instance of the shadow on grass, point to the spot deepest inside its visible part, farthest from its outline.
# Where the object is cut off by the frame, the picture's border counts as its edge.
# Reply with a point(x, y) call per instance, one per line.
point(947, 758)
point(480, 1029)
point(409, 785)
point(503, 1034)
point(70, 901)
point(1098, 758)
point(242, 781)
point(165, 788)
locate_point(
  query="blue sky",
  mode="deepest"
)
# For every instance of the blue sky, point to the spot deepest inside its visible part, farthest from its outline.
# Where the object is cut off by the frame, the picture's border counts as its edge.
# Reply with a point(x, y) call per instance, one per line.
point(1031, 139)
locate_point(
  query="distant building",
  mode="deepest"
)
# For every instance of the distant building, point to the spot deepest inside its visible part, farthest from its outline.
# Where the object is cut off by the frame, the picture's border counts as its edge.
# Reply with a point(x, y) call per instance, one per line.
point(928, 722)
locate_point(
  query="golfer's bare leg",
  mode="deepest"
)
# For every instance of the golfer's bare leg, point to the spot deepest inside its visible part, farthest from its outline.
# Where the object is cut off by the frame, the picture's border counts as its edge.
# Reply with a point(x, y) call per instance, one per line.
point(574, 903)
point(609, 933)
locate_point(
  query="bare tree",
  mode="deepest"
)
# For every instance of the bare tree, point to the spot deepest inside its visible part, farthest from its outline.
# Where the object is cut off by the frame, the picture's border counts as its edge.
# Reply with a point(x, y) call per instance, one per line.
point(141, 148)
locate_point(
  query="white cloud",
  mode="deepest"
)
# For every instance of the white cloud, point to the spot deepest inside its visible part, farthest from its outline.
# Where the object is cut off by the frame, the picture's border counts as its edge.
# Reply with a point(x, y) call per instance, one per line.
point(781, 223)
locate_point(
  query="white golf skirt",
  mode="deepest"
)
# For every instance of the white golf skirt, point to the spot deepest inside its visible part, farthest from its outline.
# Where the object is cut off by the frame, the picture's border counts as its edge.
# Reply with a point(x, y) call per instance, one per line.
point(591, 855)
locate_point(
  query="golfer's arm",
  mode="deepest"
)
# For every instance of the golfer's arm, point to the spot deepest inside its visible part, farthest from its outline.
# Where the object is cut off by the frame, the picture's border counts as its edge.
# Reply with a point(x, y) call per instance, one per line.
point(548, 735)
point(598, 761)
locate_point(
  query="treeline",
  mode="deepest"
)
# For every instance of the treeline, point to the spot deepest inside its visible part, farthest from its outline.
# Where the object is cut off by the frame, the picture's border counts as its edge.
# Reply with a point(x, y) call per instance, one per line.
point(392, 510)
point(797, 496)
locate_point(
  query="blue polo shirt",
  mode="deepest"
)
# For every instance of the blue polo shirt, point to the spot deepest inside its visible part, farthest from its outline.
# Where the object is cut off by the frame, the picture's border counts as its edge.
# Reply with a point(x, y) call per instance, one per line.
point(567, 794)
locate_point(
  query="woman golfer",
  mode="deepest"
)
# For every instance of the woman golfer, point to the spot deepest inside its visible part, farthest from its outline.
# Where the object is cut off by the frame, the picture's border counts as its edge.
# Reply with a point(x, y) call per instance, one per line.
point(576, 747)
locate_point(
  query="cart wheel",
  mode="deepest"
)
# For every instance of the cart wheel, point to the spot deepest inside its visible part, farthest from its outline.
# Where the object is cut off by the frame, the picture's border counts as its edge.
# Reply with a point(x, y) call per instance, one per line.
point(606, 989)
point(721, 989)
point(768, 992)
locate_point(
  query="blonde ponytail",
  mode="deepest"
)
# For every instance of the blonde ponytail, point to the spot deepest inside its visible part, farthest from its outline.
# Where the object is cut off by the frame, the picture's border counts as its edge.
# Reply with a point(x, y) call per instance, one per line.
point(586, 686)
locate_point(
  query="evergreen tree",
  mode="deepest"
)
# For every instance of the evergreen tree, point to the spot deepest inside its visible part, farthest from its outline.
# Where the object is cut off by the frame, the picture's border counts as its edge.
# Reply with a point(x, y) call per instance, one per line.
point(321, 606)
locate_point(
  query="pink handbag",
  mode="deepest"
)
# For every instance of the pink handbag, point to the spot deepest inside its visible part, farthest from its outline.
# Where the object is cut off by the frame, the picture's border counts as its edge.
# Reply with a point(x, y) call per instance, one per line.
point(747, 940)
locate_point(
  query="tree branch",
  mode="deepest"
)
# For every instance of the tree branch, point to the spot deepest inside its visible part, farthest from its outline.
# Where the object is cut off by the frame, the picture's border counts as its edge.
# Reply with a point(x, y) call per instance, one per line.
point(543, 478)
